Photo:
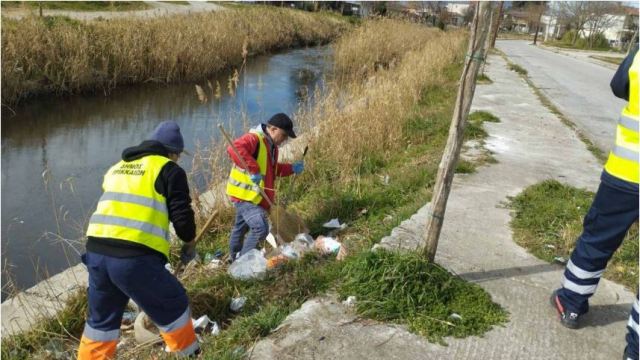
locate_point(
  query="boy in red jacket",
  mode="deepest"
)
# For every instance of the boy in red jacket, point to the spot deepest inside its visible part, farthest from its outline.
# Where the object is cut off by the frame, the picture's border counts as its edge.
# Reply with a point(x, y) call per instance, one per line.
point(259, 149)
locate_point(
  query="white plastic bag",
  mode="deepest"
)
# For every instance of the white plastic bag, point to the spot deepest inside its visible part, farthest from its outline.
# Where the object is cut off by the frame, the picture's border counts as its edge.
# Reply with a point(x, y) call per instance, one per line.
point(251, 265)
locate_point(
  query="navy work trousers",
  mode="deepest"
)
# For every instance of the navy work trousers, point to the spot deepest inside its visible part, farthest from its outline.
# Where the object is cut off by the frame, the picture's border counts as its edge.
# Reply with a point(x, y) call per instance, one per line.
point(144, 279)
point(613, 211)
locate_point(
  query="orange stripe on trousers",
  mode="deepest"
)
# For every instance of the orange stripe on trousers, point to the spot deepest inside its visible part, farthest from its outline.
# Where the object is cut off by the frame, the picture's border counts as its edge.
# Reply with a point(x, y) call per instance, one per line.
point(96, 350)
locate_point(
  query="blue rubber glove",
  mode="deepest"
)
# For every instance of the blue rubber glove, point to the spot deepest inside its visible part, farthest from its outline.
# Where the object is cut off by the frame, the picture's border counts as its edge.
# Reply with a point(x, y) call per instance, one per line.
point(298, 167)
point(256, 178)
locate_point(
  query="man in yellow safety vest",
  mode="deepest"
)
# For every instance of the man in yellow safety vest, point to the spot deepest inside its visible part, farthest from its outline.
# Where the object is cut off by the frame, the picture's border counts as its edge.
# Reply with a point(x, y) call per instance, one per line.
point(613, 211)
point(128, 246)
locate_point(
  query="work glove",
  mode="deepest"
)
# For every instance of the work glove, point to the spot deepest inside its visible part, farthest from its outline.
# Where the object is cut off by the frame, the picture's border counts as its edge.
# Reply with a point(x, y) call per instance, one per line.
point(256, 178)
point(297, 167)
point(188, 252)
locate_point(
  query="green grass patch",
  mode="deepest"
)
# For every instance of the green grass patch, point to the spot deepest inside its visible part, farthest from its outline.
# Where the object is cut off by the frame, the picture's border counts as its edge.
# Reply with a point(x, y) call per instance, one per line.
point(547, 221)
point(483, 116)
point(483, 79)
point(406, 288)
point(609, 59)
point(517, 68)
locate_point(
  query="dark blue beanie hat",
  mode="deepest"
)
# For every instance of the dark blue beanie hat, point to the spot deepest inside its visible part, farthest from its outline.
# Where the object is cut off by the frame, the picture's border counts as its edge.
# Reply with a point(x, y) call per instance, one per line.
point(168, 134)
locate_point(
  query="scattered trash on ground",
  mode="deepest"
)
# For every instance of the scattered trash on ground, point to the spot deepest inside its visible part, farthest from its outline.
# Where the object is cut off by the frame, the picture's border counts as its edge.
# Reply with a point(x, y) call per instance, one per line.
point(168, 267)
point(145, 332)
point(214, 264)
point(276, 261)
point(252, 265)
point(550, 246)
point(237, 304)
point(329, 245)
point(288, 251)
point(272, 241)
point(350, 301)
point(201, 323)
point(334, 224)
point(128, 317)
point(455, 316)
point(560, 259)
point(215, 329)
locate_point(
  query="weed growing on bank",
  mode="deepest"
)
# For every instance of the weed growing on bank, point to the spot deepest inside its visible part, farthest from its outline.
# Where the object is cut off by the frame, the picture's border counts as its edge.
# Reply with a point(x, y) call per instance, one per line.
point(406, 288)
point(548, 220)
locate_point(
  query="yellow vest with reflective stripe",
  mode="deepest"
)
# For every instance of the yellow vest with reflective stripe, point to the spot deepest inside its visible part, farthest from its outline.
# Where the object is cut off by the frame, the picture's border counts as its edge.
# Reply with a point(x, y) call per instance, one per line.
point(623, 159)
point(130, 209)
point(240, 185)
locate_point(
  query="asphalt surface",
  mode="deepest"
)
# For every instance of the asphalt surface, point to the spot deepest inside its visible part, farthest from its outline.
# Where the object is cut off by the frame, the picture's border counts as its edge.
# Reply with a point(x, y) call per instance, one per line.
point(577, 86)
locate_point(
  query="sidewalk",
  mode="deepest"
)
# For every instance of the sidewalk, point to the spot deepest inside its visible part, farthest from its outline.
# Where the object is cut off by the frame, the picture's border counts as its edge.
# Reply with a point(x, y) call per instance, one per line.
point(531, 145)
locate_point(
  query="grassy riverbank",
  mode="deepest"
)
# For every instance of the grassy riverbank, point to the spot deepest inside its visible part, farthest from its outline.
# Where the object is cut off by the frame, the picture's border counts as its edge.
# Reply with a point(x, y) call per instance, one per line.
point(57, 55)
point(375, 140)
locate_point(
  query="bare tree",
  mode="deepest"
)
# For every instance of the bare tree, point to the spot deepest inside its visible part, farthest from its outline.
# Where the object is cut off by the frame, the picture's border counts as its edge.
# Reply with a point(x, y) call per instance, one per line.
point(534, 10)
point(573, 14)
point(600, 15)
point(496, 24)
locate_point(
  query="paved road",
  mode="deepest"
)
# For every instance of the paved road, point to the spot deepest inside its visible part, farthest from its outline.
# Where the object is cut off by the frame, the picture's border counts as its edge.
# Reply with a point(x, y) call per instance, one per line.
point(579, 88)
point(158, 8)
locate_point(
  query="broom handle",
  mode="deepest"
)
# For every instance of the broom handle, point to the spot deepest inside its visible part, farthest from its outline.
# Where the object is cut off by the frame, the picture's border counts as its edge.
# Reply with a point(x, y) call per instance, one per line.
point(244, 163)
point(206, 226)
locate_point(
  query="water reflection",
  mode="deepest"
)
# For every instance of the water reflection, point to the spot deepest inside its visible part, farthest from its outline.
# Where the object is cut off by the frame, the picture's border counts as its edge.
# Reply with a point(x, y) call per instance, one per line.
point(54, 152)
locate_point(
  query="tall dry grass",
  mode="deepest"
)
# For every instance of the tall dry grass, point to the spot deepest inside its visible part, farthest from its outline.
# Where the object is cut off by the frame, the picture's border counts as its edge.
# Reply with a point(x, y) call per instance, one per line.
point(61, 56)
point(365, 119)
point(378, 44)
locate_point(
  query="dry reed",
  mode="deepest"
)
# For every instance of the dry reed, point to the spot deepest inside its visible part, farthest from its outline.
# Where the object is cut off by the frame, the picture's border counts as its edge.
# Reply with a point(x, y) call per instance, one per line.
point(60, 56)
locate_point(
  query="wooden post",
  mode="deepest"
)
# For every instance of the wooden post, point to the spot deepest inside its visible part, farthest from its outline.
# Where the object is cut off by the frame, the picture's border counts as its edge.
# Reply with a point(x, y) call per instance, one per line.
point(475, 55)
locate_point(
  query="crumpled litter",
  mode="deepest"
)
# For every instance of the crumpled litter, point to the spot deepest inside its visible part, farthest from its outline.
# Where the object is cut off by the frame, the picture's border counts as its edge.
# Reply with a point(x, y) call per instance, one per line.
point(237, 303)
point(560, 259)
point(334, 224)
point(215, 329)
point(272, 241)
point(251, 265)
point(328, 245)
point(201, 323)
point(350, 301)
point(455, 316)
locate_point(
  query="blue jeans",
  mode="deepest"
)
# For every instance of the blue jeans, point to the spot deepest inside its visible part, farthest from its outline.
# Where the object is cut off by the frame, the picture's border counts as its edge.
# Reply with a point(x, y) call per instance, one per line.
point(249, 218)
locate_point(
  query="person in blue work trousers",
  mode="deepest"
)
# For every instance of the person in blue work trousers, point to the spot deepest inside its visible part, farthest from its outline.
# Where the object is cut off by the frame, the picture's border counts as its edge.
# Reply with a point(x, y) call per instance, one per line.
point(128, 246)
point(259, 149)
point(613, 211)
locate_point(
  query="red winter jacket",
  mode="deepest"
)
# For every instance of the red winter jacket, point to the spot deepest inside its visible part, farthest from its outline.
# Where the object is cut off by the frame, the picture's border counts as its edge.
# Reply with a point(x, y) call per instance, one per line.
point(247, 145)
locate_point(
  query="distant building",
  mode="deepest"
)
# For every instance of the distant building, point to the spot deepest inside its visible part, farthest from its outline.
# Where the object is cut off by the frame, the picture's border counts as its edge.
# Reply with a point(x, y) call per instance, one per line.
point(621, 27)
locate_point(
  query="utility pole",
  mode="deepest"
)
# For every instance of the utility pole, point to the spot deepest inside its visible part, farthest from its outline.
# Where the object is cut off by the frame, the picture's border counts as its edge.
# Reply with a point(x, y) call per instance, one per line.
point(475, 55)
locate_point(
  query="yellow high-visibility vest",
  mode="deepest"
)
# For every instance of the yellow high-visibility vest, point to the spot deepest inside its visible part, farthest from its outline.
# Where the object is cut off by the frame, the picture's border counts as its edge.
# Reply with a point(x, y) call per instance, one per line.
point(623, 159)
point(130, 209)
point(240, 185)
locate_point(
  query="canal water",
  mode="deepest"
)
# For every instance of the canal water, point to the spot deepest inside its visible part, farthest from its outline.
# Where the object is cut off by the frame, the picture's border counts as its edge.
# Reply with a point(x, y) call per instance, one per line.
point(55, 152)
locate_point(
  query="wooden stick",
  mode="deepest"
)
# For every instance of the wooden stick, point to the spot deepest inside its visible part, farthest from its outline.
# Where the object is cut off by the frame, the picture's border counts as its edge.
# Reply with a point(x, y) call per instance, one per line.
point(446, 169)
point(244, 163)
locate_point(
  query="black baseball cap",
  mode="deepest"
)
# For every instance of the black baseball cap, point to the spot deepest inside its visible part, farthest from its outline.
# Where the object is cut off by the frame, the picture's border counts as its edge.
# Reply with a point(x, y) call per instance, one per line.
point(283, 122)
